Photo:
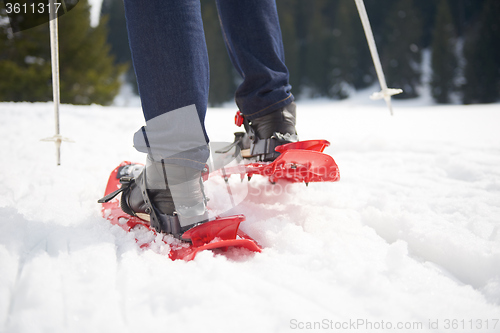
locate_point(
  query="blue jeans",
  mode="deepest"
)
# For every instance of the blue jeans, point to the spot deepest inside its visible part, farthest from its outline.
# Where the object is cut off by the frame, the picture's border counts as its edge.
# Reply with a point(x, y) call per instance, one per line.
point(171, 63)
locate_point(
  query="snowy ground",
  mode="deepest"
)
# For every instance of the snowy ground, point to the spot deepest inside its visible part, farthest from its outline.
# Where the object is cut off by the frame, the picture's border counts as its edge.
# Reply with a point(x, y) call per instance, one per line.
point(410, 236)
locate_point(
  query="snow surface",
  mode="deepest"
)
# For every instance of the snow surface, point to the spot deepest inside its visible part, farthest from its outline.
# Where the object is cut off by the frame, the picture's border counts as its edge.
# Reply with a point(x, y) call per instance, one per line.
point(411, 233)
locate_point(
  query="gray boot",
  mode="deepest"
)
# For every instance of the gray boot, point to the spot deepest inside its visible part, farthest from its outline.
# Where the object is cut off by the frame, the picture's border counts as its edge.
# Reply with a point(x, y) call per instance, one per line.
point(172, 196)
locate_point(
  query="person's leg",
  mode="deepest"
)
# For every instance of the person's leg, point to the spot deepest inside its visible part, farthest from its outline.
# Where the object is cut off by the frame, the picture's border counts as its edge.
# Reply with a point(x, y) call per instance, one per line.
point(171, 64)
point(253, 39)
point(169, 54)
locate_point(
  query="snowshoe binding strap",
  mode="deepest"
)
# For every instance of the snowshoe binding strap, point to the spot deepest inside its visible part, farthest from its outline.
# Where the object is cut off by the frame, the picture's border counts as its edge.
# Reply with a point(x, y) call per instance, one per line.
point(126, 183)
point(252, 146)
point(174, 223)
point(159, 221)
point(238, 143)
point(265, 149)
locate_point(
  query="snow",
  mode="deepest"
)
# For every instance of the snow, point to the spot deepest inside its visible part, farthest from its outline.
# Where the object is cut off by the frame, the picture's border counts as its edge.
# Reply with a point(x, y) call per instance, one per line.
point(409, 236)
point(95, 12)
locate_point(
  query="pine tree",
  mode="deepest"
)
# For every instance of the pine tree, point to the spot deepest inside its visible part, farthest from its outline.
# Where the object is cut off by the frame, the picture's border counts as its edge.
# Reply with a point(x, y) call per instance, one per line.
point(401, 53)
point(222, 78)
point(482, 53)
point(113, 12)
point(444, 61)
point(352, 64)
point(464, 12)
point(428, 12)
point(378, 16)
point(87, 72)
point(24, 64)
point(287, 11)
point(316, 49)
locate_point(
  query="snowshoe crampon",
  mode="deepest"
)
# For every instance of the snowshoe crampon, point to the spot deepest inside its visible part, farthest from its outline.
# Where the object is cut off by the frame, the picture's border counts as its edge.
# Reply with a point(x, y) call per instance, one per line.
point(220, 233)
point(302, 161)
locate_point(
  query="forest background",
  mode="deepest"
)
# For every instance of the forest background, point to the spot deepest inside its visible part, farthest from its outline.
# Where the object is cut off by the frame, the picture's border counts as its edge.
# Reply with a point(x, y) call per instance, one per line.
point(325, 50)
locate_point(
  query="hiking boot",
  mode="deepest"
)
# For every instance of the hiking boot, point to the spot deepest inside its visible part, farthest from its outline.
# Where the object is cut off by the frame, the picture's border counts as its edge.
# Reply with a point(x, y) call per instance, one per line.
point(264, 134)
point(172, 196)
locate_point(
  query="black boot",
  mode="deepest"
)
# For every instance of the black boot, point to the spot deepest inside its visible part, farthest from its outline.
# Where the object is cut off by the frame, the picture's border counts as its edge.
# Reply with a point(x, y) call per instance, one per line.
point(267, 132)
point(281, 121)
point(170, 194)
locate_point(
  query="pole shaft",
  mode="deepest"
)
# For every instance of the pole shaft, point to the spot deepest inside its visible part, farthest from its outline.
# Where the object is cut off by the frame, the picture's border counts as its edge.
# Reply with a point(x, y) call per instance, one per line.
point(54, 54)
point(371, 43)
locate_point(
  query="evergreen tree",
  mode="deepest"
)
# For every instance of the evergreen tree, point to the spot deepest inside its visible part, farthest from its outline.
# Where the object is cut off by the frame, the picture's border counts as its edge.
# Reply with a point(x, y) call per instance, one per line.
point(222, 77)
point(444, 61)
point(464, 12)
point(87, 72)
point(317, 49)
point(287, 11)
point(427, 10)
point(113, 12)
point(378, 15)
point(352, 64)
point(24, 63)
point(302, 39)
point(401, 53)
point(343, 51)
point(482, 53)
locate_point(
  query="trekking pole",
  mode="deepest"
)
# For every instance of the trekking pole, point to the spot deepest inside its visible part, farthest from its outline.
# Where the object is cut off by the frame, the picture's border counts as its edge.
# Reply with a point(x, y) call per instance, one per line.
point(54, 55)
point(385, 93)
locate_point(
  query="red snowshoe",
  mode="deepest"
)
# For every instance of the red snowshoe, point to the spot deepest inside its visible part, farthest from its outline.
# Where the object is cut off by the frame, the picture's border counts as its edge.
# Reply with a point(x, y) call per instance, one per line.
point(220, 233)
